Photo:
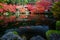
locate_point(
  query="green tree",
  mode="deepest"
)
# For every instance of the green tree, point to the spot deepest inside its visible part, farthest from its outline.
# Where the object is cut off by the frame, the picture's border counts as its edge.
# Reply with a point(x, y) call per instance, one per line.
point(56, 9)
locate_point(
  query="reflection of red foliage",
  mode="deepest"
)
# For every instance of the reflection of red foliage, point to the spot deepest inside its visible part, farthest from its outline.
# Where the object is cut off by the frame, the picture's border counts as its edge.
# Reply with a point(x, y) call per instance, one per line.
point(1, 17)
point(42, 17)
point(12, 18)
point(6, 20)
point(32, 16)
